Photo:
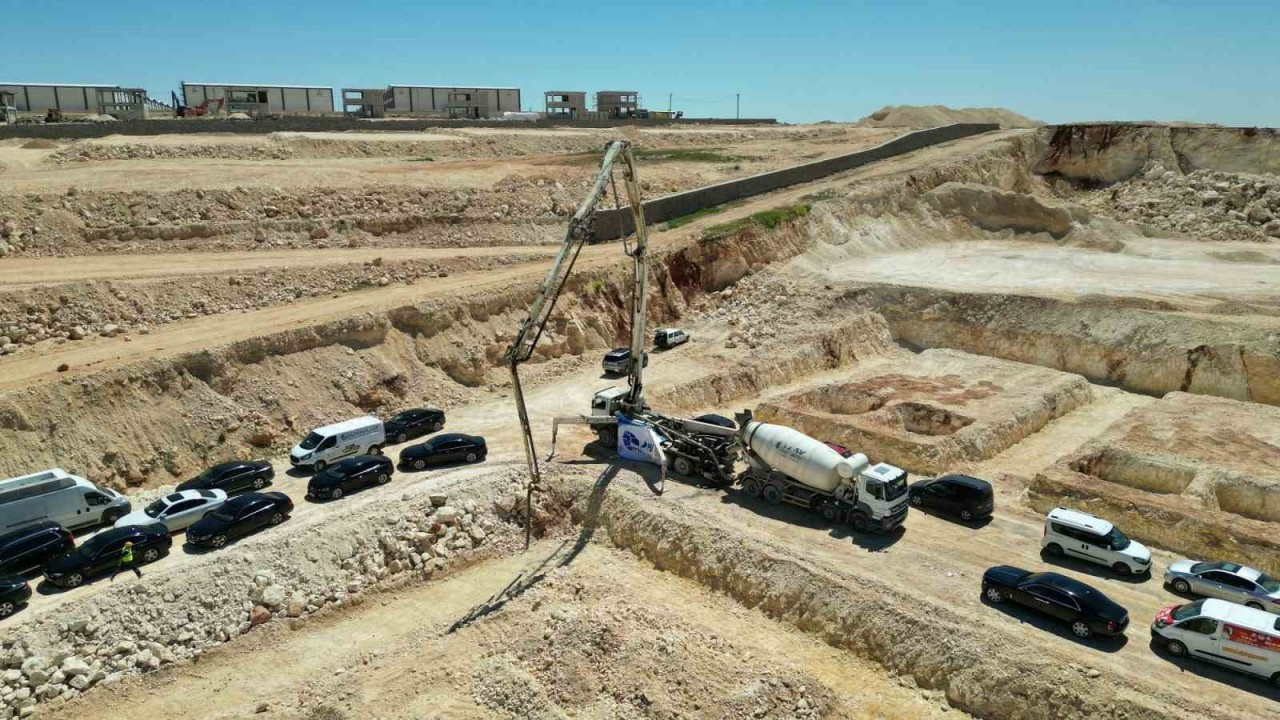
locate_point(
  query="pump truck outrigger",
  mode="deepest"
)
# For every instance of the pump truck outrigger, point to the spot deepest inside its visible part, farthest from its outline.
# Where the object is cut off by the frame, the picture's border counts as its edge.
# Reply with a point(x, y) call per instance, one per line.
point(708, 449)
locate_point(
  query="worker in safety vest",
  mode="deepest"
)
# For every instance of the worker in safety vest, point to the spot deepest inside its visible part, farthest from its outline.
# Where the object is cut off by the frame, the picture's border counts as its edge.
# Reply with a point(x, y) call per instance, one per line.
point(126, 561)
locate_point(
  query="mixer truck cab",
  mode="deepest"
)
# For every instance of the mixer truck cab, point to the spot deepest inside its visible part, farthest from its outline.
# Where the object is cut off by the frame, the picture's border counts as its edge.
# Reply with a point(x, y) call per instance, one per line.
point(785, 465)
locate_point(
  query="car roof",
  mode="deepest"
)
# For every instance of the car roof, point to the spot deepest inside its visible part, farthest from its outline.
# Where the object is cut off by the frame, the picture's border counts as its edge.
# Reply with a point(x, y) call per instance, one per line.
point(189, 495)
point(346, 425)
point(1081, 520)
point(231, 464)
point(453, 436)
point(353, 462)
point(619, 351)
point(967, 481)
point(31, 529)
point(1242, 615)
point(1071, 586)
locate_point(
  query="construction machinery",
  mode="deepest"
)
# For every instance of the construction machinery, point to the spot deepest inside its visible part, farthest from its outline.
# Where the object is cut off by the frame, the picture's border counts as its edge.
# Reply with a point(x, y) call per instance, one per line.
point(8, 108)
point(181, 110)
point(699, 447)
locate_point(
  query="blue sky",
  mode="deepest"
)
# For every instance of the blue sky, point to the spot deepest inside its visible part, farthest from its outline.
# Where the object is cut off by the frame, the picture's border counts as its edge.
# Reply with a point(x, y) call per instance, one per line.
point(797, 61)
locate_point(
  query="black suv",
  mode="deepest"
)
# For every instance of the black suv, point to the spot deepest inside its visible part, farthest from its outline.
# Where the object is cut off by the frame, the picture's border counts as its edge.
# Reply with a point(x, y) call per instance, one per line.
point(350, 474)
point(413, 423)
point(1087, 610)
point(100, 554)
point(232, 477)
point(967, 497)
point(29, 548)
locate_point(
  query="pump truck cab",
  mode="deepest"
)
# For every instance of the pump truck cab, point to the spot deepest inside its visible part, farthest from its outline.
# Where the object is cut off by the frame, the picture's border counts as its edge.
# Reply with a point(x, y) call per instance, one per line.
point(785, 465)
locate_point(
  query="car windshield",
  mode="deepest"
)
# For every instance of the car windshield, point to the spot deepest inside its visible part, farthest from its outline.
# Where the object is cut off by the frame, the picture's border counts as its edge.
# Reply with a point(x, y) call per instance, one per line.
point(155, 508)
point(401, 417)
point(220, 515)
point(1190, 610)
point(310, 441)
point(1117, 540)
point(92, 546)
point(202, 477)
point(1268, 583)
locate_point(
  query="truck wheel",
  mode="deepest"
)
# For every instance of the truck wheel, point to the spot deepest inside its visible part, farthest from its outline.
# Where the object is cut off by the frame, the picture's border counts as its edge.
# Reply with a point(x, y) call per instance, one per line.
point(1053, 550)
point(682, 466)
point(860, 522)
point(1121, 569)
point(829, 511)
point(608, 436)
point(320, 465)
point(751, 486)
point(772, 494)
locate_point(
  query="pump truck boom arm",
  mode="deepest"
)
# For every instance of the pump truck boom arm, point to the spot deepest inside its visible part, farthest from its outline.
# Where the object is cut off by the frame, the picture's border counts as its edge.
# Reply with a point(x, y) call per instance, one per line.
point(531, 329)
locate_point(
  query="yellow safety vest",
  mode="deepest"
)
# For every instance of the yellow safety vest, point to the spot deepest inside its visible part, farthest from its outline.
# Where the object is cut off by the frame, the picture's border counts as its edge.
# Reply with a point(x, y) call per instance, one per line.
point(126, 555)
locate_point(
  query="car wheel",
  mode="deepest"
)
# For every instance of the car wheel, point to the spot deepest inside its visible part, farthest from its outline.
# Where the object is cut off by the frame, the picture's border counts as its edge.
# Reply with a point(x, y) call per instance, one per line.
point(1175, 648)
point(219, 541)
point(1181, 586)
point(772, 494)
point(860, 522)
point(1275, 679)
point(1080, 629)
point(320, 465)
point(1121, 569)
point(1255, 605)
point(751, 486)
point(383, 478)
point(375, 449)
point(966, 515)
point(259, 483)
point(437, 426)
point(111, 516)
point(6, 609)
point(277, 518)
point(682, 466)
point(1053, 550)
point(917, 500)
point(150, 555)
point(472, 457)
point(993, 595)
point(401, 437)
point(419, 464)
point(829, 511)
point(73, 580)
point(336, 494)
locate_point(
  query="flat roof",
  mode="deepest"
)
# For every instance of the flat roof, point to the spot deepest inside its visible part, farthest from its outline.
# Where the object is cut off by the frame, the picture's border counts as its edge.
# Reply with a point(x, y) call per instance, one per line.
point(454, 87)
point(564, 92)
point(84, 85)
point(261, 85)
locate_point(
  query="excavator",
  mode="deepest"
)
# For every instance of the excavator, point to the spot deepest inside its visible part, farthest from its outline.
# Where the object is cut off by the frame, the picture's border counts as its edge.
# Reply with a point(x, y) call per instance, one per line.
point(693, 447)
point(180, 110)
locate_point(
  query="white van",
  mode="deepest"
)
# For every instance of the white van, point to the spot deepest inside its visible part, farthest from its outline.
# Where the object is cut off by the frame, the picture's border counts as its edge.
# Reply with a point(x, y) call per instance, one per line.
point(1217, 631)
point(1081, 535)
point(57, 495)
point(328, 444)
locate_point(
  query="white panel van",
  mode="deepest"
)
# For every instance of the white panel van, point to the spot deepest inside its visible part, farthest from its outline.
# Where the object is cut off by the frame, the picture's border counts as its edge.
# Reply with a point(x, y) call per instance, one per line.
point(1235, 636)
point(326, 445)
point(71, 501)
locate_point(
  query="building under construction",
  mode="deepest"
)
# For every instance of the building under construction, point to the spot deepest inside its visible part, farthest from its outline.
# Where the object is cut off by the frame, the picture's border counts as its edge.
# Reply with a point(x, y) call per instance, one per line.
point(123, 103)
point(458, 102)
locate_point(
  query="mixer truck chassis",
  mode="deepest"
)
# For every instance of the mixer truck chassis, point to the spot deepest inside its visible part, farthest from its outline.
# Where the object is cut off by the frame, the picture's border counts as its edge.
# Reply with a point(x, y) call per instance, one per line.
point(777, 488)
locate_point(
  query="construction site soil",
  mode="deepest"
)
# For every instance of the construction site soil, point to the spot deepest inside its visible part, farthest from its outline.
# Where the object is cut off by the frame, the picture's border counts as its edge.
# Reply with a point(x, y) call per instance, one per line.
point(1043, 308)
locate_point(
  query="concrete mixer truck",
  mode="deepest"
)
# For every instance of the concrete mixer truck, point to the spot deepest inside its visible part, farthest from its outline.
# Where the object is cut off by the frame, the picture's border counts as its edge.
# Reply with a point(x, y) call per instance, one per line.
point(785, 465)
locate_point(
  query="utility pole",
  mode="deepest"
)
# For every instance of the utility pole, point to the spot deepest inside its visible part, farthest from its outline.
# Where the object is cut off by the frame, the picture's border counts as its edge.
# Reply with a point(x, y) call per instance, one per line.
point(669, 102)
point(737, 106)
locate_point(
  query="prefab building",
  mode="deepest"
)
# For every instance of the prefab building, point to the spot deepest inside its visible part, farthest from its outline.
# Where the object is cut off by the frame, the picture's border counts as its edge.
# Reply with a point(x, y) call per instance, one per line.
point(284, 99)
point(41, 97)
point(460, 101)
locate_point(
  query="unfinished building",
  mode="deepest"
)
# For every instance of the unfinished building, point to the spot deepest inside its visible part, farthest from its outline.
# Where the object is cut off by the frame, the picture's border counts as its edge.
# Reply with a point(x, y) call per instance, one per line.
point(617, 103)
point(364, 102)
point(474, 102)
point(565, 104)
point(262, 99)
point(37, 98)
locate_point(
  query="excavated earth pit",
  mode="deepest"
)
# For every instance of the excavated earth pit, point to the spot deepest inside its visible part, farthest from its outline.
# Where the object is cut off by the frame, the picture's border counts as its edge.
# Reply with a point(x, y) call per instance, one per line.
point(1198, 475)
point(933, 410)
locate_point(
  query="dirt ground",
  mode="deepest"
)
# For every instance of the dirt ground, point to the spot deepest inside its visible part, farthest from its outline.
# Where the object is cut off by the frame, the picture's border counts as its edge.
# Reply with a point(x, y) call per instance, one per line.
point(1029, 322)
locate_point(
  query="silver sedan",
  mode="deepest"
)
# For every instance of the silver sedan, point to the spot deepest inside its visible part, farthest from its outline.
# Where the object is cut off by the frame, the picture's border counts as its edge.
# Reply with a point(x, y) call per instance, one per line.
point(1226, 581)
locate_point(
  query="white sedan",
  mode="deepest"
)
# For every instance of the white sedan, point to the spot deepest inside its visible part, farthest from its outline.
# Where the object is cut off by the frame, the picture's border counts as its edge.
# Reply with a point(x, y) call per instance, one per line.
point(177, 511)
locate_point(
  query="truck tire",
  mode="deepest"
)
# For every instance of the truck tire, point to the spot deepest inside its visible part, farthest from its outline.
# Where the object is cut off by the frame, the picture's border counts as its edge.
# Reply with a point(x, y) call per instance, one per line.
point(608, 437)
point(751, 486)
point(682, 466)
point(772, 494)
point(860, 522)
point(829, 511)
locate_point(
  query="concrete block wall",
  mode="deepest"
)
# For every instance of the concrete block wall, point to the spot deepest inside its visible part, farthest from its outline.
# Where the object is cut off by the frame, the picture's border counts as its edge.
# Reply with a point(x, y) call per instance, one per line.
point(612, 224)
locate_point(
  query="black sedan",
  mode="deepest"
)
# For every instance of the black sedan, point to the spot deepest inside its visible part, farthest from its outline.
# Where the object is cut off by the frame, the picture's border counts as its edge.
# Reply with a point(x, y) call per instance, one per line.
point(238, 517)
point(413, 423)
point(14, 592)
point(351, 474)
point(101, 553)
point(961, 495)
point(232, 477)
point(451, 447)
point(1087, 610)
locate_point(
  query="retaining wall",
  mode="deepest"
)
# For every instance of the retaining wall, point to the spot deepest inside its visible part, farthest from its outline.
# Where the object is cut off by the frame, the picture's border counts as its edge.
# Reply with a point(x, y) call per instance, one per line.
point(612, 224)
point(81, 130)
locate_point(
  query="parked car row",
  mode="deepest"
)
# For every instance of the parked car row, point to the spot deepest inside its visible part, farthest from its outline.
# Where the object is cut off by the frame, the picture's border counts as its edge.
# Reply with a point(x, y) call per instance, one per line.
point(616, 360)
point(223, 503)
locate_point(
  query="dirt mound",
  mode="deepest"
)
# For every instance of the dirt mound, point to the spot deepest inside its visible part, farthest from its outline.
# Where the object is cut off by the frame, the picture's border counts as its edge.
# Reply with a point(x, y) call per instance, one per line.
point(934, 115)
